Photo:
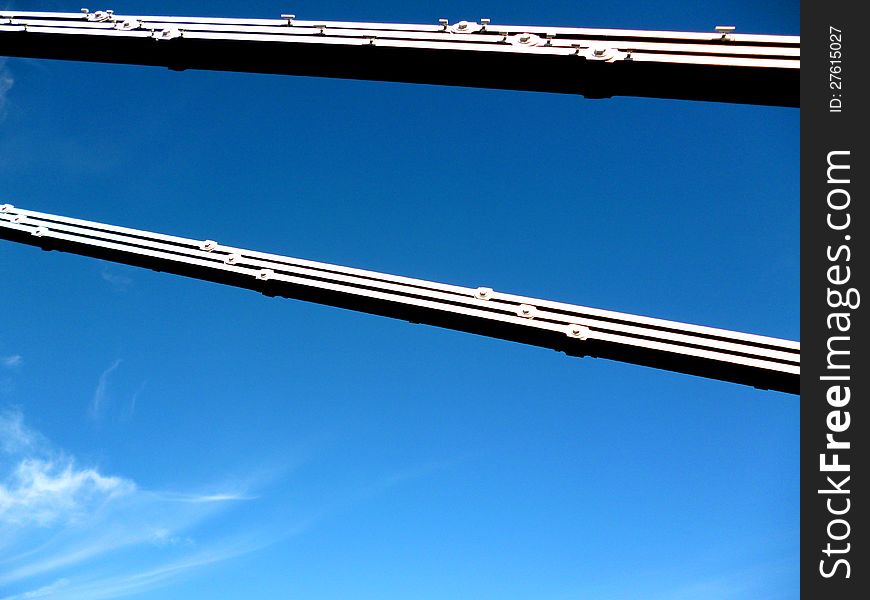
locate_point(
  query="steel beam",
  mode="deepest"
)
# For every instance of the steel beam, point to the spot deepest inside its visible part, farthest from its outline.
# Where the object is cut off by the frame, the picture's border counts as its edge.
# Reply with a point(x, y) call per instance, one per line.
point(760, 361)
point(719, 66)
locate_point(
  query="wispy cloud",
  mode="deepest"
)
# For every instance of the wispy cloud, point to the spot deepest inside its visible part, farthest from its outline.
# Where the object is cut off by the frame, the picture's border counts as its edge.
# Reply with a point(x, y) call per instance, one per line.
point(72, 531)
point(11, 361)
point(136, 582)
point(6, 83)
point(15, 438)
point(101, 392)
point(43, 592)
point(755, 580)
point(203, 498)
point(119, 283)
point(749, 581)
point(134, 399)
point(45, 491)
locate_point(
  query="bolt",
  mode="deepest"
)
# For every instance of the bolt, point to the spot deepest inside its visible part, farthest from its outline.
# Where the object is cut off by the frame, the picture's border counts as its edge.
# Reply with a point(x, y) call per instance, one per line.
point(576, 330)
point(484, 293)
point(526, 310)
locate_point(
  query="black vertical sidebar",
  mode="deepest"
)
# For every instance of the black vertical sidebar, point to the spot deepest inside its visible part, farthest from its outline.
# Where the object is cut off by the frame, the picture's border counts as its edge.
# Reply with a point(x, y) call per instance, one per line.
point(835, 365)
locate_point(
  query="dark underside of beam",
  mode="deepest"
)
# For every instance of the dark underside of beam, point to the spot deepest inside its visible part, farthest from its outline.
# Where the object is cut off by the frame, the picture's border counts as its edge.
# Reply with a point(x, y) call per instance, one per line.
point(501, 70)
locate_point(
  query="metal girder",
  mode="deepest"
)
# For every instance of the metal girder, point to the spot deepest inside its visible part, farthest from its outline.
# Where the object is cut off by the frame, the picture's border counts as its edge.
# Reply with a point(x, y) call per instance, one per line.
point(719, 66)
point(760, 361)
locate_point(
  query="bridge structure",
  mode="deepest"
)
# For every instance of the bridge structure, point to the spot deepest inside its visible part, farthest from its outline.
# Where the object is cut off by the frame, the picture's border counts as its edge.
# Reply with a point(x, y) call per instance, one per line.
point(720, 66)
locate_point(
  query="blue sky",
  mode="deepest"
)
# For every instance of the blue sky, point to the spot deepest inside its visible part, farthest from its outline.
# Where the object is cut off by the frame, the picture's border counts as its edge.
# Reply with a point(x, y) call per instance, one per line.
point(165, 438)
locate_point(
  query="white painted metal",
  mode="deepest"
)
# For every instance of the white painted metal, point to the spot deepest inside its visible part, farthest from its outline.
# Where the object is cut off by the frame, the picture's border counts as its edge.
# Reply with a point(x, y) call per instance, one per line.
point(379, 32)
point(175, 243)
point(659, 46)
point(82, 19)
point(10, 14)
point(713, 66)
point(734, 356)
point(582, 323)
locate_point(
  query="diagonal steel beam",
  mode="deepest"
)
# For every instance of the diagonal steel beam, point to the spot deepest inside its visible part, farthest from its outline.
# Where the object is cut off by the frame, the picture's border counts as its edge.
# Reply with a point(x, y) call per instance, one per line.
point(720, 66)
point(755, 360)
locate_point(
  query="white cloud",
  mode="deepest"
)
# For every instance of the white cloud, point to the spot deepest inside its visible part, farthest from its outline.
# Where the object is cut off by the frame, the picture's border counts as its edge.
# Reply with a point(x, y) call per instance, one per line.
point(43, 592)
point(131, 408)
point(14, 436)
point(136, 582)
point(203, 498)
point(72, 531)
point(119, 283)
point(11, 361)
point(163, 537)
point(101, 393)
point(44, 492)
point(6, 83)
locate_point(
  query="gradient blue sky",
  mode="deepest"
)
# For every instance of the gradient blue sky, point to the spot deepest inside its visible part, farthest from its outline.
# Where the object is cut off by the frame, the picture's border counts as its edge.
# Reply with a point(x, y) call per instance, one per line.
point(168, 438)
